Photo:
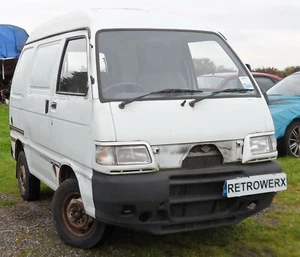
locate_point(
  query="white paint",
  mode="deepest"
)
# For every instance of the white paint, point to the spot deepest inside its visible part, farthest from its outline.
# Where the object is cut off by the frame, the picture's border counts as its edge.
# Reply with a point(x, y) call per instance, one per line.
point(210, 120)
point(106, 19)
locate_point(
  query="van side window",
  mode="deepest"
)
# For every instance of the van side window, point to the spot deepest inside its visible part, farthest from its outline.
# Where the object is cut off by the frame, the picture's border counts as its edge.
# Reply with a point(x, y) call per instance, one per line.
point(44, 66)
point(73, 77)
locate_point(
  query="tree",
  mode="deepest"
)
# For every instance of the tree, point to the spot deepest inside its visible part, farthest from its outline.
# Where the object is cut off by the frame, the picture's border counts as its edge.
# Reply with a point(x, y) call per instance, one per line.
point(281, 73)
point(290, 70)
point(221, 69)
point(204, 66)
point(270, 70)
point(76, 82)
point(207, 66)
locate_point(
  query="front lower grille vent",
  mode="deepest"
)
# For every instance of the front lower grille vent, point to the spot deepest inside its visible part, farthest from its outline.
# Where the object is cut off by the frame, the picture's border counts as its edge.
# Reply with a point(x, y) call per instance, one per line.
point(202, 156)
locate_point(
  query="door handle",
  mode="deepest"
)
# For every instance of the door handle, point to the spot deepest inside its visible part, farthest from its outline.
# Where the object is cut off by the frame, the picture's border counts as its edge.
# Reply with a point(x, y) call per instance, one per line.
point(47, 106)
point(53, 105)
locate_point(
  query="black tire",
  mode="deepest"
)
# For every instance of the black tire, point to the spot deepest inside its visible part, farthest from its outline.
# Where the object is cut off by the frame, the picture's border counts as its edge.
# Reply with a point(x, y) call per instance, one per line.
point(291, 140)
point(73, 225)
point(29, 185)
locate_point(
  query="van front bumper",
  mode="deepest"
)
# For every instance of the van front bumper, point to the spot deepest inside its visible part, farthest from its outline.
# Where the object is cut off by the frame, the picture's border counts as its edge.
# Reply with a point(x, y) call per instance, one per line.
point(173, 201)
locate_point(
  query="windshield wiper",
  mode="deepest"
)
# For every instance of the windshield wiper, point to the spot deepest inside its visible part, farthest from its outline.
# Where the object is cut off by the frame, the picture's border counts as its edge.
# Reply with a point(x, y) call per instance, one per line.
point(228, 90)
point(165, 91)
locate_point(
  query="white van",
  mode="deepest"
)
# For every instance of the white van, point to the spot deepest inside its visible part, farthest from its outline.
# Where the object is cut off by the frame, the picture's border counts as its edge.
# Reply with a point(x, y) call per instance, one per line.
point(105, 109)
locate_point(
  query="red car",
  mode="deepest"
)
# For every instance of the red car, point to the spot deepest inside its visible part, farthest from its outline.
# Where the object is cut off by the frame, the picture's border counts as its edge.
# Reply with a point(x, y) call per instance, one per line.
point(225, 80)
point(265, 81)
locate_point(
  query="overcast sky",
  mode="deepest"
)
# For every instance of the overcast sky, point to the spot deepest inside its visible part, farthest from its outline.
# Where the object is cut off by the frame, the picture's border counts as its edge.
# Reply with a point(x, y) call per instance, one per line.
point(264, 33)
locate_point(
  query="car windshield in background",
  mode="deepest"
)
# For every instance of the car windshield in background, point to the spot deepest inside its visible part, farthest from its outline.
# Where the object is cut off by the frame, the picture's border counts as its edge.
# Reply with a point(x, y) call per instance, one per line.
point(289, 86)
point(132, 63)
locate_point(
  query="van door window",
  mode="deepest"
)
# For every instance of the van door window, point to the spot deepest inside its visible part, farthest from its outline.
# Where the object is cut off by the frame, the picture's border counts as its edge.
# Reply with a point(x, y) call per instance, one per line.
point(73, 77)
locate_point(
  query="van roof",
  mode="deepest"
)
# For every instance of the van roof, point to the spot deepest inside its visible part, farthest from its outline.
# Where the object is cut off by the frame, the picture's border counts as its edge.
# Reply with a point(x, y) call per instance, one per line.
point(96, 19)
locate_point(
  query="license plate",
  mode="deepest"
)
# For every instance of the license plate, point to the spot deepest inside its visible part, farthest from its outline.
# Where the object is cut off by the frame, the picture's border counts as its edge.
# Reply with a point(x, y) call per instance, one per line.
point(255, 185)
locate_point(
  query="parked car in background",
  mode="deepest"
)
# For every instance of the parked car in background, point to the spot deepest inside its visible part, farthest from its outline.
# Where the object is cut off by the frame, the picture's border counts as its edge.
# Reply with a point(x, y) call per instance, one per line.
point(284, 105)
point(229, 79)
point(265, 81)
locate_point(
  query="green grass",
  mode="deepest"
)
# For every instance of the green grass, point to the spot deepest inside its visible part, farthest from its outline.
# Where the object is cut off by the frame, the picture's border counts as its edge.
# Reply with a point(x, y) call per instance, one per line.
point(275, 233)
point(8, 184)
point(8, 202)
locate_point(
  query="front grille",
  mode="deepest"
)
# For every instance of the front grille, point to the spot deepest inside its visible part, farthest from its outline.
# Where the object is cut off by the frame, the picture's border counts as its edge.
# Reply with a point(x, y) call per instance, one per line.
point(199, 195)
point(202, 156)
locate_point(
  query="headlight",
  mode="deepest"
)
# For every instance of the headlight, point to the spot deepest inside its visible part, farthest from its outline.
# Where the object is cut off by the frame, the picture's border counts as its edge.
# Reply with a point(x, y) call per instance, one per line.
point(263, 144)
point(122, 155)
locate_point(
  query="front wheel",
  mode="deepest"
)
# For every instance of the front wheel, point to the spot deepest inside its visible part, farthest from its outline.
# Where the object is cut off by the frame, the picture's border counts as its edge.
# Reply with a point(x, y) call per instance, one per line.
point(73, 225)
point(291, 140)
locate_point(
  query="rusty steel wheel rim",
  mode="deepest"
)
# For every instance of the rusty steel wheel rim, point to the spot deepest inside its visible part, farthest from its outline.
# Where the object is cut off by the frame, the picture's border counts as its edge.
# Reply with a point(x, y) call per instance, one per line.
point(22, 178)
point(77, 221)
point(294, 142)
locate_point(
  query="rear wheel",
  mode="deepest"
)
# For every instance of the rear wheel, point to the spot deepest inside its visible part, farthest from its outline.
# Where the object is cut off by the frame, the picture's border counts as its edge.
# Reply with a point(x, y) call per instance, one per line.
point(291, 140)
point(29, 185)
point(73, 225)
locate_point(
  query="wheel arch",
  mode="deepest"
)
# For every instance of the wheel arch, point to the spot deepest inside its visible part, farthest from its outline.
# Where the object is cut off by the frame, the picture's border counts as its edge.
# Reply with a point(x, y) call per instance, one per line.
point(19, 147)
point(65, 172)
point(297, 119)
point(283, 143)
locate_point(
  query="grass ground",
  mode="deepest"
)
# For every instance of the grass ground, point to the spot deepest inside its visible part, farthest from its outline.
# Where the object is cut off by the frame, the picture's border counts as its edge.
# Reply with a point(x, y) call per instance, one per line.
point(274, 233)
point(7, 167)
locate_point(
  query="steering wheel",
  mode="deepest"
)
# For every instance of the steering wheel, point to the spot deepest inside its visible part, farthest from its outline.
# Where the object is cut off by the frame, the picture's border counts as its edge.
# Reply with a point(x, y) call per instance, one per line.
point(123, 85)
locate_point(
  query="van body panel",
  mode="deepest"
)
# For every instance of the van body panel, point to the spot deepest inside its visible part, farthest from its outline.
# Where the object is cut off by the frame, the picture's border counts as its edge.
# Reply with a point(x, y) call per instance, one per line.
point(106, 19)
point(37, 97)
point(71, 114)
point(73, 132)
point(209, 120)
point(17, 102)
point(103, 128)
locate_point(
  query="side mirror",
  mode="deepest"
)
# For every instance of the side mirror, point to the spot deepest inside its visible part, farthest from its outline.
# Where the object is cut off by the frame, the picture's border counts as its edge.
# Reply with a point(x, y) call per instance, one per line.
point(248, 66)
point(103, 63)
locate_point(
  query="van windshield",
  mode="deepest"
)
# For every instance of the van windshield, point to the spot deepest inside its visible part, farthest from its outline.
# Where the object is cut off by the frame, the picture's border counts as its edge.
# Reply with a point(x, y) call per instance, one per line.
point(132, 63)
